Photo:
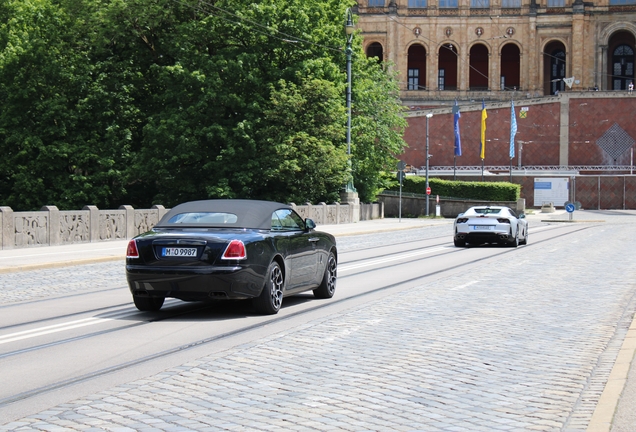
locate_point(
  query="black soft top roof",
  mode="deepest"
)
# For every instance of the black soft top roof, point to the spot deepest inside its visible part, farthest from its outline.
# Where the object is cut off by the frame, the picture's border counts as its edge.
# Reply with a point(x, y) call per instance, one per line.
point(250, 213)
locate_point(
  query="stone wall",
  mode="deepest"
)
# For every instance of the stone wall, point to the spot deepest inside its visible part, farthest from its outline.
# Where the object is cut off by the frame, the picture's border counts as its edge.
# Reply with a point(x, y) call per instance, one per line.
point(51, 226)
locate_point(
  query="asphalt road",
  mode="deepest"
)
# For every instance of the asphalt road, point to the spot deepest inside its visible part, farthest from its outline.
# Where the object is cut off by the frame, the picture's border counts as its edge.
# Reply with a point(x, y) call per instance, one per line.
point(420, 336)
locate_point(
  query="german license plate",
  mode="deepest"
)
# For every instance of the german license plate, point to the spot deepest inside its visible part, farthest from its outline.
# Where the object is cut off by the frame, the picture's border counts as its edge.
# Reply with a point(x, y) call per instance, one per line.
point(178, 252)
point(482, 227)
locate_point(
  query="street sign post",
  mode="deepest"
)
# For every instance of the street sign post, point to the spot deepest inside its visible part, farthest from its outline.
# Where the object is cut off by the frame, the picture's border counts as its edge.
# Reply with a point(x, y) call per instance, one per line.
point(570, 207)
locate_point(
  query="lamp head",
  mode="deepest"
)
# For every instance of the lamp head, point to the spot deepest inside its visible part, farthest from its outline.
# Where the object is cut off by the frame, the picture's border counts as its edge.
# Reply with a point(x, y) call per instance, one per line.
point(349, 28)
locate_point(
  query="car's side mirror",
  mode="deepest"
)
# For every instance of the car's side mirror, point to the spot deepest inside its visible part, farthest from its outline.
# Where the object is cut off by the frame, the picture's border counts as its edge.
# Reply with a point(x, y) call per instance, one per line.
point(310, 224)
point(522, 216)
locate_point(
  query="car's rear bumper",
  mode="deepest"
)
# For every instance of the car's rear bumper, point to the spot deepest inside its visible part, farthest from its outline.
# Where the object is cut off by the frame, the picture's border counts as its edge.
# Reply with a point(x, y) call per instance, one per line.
point(483, 237)
point(194, 284)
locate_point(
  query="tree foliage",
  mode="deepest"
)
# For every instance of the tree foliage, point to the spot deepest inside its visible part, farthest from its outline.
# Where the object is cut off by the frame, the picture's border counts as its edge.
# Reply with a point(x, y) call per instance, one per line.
point(111, 102)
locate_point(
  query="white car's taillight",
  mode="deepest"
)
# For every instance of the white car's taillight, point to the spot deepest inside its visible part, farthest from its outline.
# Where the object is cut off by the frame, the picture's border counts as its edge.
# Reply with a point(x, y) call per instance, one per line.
point(235, 251)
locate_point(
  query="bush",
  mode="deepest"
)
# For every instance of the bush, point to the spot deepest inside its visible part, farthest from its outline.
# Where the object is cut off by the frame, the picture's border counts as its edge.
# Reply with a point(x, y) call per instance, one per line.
point(485, 191)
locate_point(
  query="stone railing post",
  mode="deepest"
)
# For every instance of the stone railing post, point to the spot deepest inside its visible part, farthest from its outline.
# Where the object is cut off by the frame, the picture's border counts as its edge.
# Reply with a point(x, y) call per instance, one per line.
point(323, 213)
point(521, 205)
point(7, 229)
point(161, 210)
point(308, 214)
point(130, 220)
point(93, 222)
point(53, 227)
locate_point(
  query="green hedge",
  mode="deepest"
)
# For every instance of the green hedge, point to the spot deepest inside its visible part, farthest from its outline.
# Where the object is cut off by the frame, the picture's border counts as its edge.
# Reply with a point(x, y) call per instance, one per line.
point(486, 191)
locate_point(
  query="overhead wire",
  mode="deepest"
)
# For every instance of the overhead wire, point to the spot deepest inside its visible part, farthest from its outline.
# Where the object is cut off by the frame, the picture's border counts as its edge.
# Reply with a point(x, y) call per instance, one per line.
point(258, 27)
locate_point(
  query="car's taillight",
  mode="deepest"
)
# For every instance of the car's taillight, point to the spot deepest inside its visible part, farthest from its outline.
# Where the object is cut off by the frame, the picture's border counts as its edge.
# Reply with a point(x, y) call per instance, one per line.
point(502, 220)
point(235, 251)
point(462, 220)
point(132, 251)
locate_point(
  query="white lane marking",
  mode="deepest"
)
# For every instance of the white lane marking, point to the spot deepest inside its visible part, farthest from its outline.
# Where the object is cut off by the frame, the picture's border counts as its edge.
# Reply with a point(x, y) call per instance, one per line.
point(346, 267)
point(55, 328)
point(466, 285)
point(66, 252)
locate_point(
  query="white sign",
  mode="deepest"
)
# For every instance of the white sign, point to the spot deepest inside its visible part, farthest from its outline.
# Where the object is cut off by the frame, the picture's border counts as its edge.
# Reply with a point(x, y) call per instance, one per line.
point(551, 190)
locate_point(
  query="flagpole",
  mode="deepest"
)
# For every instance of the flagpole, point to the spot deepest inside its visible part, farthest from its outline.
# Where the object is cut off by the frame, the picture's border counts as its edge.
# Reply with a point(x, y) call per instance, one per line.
point(454, 167)
point(513, 132)
point(482, 138)
point(458, 143)
point(511, 169)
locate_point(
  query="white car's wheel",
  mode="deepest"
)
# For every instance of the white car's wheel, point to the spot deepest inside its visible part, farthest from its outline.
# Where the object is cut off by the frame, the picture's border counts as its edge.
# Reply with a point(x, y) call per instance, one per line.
point(515, 240)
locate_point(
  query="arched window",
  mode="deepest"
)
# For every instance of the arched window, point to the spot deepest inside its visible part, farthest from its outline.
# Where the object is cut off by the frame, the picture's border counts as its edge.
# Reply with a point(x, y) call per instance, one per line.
point(417, 67)
point(447, 68)
point(510, 67)
point(478, 75)
point(375, 50)
point(554, 67)
point(622, 67)
point(557, 71)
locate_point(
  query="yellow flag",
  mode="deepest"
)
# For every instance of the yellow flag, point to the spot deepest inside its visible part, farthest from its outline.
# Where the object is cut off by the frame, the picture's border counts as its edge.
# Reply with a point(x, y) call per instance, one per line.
point(484, 116)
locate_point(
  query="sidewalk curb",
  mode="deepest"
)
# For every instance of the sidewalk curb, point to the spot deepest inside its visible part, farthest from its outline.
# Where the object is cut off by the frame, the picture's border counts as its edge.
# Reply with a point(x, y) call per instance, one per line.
point(603, 416)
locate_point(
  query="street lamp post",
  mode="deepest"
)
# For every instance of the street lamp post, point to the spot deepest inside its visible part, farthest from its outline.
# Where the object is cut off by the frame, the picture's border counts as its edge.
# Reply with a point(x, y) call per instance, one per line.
point(428, 116)
point(349, 29)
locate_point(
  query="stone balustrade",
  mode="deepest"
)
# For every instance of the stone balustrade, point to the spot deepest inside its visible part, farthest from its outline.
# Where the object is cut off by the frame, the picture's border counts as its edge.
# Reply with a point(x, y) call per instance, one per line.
point(51, 226)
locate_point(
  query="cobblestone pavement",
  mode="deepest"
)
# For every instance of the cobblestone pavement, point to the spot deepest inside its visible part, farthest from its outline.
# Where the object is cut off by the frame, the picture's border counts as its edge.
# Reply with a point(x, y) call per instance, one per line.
point(523, 344)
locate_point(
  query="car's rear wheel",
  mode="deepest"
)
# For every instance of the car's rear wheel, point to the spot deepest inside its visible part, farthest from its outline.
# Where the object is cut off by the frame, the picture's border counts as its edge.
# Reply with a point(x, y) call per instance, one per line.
point(328, 285)
point(148, 304)
point(459, 243)
point(525, 239)
point(271, 298)
point(515, 239)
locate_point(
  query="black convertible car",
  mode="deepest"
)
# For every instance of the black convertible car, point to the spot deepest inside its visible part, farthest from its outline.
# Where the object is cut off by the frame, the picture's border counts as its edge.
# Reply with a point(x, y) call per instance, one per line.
point(231, 249)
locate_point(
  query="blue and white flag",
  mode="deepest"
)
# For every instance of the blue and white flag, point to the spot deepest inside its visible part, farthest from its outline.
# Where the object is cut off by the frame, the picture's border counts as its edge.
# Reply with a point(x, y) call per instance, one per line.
point(513, 129)
point(458, 142)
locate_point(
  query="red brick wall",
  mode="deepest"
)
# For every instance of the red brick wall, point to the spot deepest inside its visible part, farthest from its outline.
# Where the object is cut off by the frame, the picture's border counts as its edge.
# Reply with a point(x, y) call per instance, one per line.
point(589, 120)
point(539, 130)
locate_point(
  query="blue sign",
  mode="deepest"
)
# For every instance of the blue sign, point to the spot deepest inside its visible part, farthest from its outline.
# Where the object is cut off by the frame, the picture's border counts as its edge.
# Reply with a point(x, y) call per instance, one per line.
point(570, 208)
point(542, 185)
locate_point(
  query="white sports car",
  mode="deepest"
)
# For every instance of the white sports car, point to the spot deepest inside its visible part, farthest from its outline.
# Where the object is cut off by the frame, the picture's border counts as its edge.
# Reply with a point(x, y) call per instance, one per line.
point(490, 224)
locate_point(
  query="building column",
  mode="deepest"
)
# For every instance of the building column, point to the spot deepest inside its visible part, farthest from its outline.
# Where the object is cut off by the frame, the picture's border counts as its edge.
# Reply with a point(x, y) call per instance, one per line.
point(564, 136)
point(602, 79)
point(577, 49)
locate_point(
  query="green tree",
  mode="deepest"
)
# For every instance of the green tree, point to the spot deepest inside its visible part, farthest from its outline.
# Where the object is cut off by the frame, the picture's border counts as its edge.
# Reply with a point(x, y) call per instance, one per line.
point(378, 125)
point(158, 101)
point(65, 122)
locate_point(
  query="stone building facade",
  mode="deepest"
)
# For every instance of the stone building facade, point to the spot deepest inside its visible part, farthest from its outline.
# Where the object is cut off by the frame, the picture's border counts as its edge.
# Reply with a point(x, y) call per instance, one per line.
point(474, 49)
